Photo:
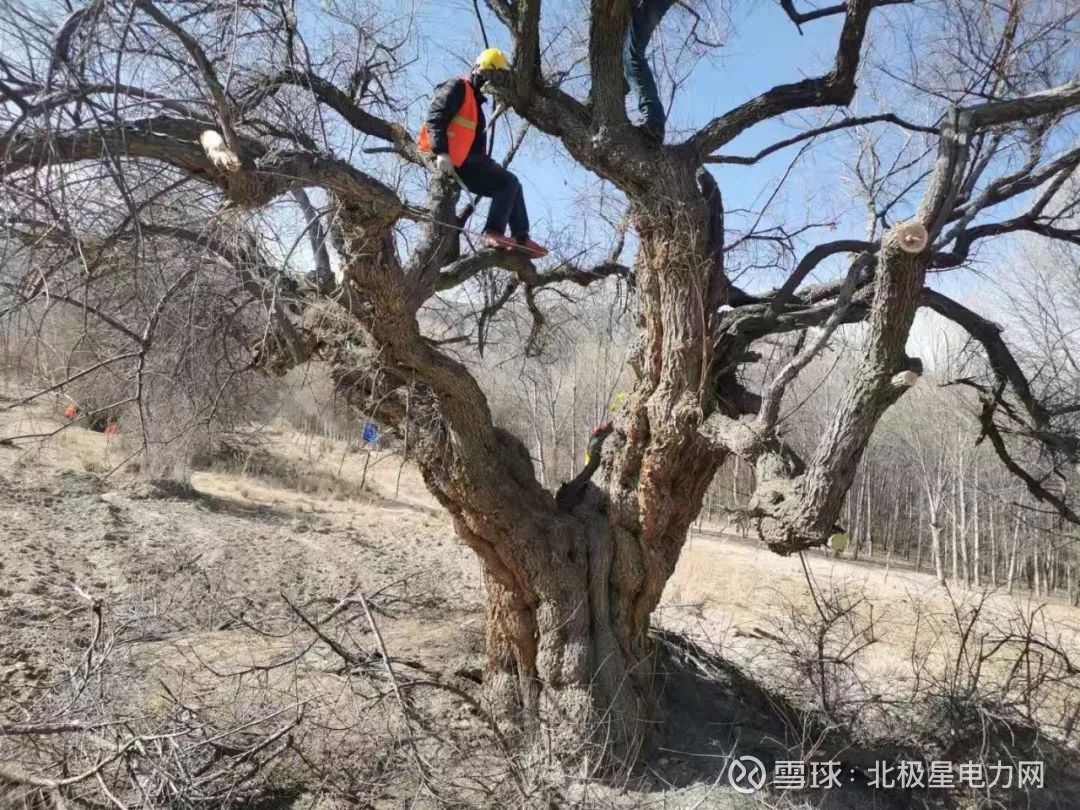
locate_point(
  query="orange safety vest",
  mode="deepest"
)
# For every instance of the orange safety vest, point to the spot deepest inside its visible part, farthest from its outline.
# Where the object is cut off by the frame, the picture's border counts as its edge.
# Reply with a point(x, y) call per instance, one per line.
point(461, 131)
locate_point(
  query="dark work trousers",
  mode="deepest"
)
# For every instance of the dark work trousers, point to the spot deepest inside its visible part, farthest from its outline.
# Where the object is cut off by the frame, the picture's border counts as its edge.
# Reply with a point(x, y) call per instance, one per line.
point(485, 177)
point(643, 22)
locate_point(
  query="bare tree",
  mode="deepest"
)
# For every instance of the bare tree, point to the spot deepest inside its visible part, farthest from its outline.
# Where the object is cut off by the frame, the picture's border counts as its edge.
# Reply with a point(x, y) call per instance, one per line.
point(235, 99)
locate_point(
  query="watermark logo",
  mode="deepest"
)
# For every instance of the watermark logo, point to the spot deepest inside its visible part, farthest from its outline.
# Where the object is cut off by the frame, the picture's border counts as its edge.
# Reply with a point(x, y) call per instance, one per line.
point(746, 774)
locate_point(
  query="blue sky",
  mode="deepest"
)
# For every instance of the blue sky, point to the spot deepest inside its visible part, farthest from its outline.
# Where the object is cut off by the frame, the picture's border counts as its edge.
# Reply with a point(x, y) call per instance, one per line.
point(767, 49)
point(761, 48)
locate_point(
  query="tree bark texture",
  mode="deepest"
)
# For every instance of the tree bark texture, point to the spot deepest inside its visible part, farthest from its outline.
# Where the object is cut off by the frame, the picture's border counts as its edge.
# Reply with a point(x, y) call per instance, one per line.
point(572, 581)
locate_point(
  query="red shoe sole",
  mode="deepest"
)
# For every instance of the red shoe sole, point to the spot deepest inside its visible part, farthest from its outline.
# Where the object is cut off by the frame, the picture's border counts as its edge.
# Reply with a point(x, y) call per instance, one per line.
point(503, 243)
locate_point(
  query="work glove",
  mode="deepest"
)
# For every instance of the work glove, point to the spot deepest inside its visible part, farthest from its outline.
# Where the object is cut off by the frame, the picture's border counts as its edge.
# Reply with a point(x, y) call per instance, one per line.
point(445, 165)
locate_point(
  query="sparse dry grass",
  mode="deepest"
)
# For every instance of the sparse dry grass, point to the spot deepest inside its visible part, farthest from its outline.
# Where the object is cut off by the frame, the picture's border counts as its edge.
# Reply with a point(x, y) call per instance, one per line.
point(214, 638)
point(729, 589)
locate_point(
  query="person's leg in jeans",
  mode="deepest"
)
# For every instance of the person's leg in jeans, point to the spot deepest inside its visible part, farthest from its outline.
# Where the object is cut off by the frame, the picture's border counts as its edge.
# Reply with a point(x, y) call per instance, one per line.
point(485, 177)
point(644, 21)
point(519, 215)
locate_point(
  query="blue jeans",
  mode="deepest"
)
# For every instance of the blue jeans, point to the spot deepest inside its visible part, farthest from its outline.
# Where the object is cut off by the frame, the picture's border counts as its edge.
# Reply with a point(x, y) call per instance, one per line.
point(643, 22)
point(486, 178)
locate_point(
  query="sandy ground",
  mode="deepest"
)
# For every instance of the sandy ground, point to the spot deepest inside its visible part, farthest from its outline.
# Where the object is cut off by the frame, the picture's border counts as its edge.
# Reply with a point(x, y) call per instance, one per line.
point(239, 545)
point(731, 592)
point(195, 583)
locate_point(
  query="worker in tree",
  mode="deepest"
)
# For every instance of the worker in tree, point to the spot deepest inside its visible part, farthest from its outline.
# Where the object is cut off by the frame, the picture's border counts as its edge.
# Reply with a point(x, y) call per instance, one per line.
point(455, 132)
point(644, 19)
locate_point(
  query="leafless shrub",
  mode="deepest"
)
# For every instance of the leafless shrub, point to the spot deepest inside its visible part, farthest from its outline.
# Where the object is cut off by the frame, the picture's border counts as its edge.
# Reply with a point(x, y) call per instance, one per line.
point(142, 331)
point(208, 731)
point(818, 655)
point(992, 683)
point(984, 685)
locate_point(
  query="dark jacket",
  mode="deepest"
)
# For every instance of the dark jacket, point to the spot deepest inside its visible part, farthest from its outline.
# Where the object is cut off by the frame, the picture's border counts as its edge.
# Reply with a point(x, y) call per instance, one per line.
point(445, 103)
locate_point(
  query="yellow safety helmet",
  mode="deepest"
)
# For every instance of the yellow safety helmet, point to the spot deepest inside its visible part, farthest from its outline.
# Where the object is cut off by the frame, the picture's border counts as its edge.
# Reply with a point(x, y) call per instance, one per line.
point(492, 59)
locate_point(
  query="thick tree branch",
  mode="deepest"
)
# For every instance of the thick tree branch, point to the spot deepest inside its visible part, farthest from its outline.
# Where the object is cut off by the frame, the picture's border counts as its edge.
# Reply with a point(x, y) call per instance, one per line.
point(340, 102)
point(835, 88)
point(608, 21)
point(800, 17)
point(544, 105)
point(524, 270)
point(525, 25)
point(317, 238)
point(988, 334)
point(1005, 369)
point(264, 174)
point(798, 511)
point(49, 101)
point(964, 240)
point(758, 320)
point(990, 430)
point(506, 11)
point(222, 105)
point(440, 241)
point(811, 260)
point(1030, 177)
point(960, 126)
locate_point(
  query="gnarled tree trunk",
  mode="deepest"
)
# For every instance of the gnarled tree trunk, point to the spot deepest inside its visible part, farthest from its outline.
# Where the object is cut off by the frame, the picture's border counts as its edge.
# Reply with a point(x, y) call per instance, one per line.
point(572, 586)
point(574, 577)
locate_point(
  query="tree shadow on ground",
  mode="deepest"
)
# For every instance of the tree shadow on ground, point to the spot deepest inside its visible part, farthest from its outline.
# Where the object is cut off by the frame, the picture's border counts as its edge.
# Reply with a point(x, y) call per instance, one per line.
point(170, 490)
point(715, 713)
